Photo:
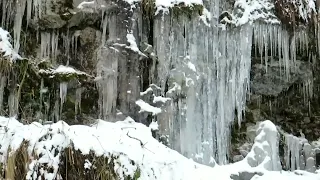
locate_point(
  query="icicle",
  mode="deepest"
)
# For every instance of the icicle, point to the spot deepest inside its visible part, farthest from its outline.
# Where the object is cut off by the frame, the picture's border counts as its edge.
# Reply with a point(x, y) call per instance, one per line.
point(107, 69)
point(29, 11)
point(20, 9)
point(66, 45)
point(57, 111)
point(13, 104)
point(3, 83)
point(104, 28)
point(277, 40)
point(293, 148)
point(307, 90)
point(74, 42)
point(78, 101)
point(63, 94)
point(7, 6)
point(49, 45)
point(37, 9)
point(42, 91)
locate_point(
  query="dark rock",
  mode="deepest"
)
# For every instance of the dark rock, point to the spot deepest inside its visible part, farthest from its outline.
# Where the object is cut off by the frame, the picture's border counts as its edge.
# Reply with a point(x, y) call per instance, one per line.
point(245, 175)
point(271, 80)
point(51, 21)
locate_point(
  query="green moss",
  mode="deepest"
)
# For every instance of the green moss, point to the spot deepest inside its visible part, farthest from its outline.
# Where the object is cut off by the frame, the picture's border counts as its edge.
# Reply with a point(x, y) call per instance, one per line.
point(137, 174)
point(190, 11)
point(149, 9)
point(72, 166)
point(1, 170)
point(63, 77)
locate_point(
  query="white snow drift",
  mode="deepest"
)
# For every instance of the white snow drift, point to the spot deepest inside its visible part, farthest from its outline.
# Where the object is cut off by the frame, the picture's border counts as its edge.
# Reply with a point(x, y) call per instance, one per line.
point(133, 142)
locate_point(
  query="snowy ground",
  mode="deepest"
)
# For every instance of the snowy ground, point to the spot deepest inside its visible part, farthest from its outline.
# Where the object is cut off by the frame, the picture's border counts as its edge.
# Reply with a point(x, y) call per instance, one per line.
point(131, 141)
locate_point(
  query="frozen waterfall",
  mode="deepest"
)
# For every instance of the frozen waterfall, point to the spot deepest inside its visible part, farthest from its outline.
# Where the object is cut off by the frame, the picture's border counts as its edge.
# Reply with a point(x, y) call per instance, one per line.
point(222, 60)
point(201, 65)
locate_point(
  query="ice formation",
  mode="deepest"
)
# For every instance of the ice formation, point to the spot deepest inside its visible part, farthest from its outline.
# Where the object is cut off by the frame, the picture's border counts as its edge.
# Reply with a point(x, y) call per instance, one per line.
point(265, 150)
point(49, 45)
point(78, 101)
point(299, 154)
point(215, 85)
point(63, 94)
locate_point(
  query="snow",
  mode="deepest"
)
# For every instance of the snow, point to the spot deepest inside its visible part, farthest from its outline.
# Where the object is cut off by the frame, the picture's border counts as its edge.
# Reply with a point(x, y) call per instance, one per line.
point(164, 5)
point(66, 70)
point(192, 66)
point(247, 11)
point(6, 47)
point(146, 91)
point(85, 4)
point(132, 41)
point(171, 3)
point(145, 107)
point(154, 126)
point(206, 17)
point(132, 44)
point(129, 141)
point(160, 99)
point(63, 70)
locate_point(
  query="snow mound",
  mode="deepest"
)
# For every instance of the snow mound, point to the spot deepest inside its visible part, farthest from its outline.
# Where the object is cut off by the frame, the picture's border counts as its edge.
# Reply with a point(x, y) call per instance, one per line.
point(127, 140)
point(64, 71)
point(265, 150)
point(6, 46)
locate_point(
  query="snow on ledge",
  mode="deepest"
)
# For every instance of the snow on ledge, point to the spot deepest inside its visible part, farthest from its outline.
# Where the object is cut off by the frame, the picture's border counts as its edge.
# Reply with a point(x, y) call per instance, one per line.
point(67, 70)
point(86, 4)
point(172, 3)
point(145, 107)
point(63, 70)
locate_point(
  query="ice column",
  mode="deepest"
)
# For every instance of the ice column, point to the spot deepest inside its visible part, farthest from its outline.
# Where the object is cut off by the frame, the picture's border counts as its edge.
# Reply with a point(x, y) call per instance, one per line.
point(78, 100)
point(49, 45)
point(63, 94)
point(13, 104)
point(2, 86)
point(205, 99)
point(293, 152)
point(299, 154)
point(20, 10)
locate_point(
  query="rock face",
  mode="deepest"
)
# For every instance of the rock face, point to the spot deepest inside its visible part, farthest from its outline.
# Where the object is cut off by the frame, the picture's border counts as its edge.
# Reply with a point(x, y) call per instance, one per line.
point(192, 70)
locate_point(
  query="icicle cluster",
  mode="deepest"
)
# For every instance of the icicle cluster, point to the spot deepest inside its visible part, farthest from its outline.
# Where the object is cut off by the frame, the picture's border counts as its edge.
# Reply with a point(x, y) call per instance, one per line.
point(299, 154)
point(275, 42)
